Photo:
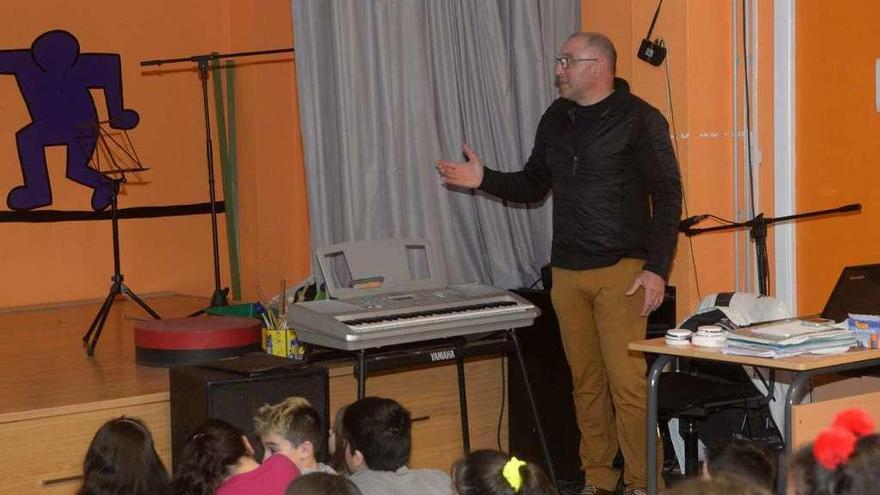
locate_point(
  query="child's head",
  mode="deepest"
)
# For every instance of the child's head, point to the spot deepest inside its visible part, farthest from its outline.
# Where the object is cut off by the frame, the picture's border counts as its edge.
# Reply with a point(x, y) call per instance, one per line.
point(743, 460)
point(377, 433)
point(122, 459)
point(293, 428)
point(209, 456)
point(489, 472)
point(720, 485)
point(841, 461)
point(319, 483)
point(858, 474)
point(336, 443)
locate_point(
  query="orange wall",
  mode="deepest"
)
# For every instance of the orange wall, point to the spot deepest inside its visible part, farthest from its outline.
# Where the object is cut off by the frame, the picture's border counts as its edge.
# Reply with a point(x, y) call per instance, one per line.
point(174, 254)
point(698, 38)
point(272, 183)
point(70, 261)
point(838, 142)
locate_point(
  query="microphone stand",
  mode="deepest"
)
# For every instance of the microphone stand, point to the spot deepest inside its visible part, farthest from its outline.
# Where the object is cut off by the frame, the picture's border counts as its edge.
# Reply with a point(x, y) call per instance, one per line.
point(758, 233)
point(218, 298)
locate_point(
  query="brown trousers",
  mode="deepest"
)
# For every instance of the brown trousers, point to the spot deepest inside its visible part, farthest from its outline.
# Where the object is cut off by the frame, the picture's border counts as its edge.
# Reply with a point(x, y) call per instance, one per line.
point(597, 320)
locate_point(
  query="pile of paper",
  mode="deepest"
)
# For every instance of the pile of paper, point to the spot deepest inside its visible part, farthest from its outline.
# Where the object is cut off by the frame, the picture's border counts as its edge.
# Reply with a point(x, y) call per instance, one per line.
point(788, 338)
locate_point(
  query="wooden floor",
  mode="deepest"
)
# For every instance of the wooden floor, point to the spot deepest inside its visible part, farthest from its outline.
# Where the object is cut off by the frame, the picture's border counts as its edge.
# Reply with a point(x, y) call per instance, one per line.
point(45, 368)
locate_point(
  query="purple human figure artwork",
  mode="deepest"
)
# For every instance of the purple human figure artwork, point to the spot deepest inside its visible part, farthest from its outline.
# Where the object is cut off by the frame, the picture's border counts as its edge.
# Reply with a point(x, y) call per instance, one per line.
point(54, 79)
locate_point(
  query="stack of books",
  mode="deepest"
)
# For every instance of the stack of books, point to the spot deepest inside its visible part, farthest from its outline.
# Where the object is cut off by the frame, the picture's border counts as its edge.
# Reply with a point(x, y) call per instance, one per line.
point(788, 338)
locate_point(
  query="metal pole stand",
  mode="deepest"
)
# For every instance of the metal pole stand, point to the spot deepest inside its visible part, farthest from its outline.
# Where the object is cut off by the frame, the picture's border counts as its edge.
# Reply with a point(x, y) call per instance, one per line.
point(116, 288)
point(218, 298)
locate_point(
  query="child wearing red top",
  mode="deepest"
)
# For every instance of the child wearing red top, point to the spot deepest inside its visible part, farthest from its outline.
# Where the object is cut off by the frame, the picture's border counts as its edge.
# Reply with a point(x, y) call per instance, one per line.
point(218, 459)
point(270, 478)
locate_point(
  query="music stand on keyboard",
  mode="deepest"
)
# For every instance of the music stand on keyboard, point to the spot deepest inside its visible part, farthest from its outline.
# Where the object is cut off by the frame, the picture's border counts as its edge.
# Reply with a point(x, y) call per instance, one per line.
point(364, 268)
point(373, 275)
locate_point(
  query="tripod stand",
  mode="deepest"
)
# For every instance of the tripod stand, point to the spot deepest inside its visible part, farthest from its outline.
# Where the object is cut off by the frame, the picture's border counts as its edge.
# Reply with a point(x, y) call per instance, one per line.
point(118, 286)
point(758, 233)
point(218, 298)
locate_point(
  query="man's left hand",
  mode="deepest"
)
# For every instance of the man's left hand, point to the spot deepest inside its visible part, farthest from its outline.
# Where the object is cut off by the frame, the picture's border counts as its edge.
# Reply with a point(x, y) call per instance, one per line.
point(655, 289)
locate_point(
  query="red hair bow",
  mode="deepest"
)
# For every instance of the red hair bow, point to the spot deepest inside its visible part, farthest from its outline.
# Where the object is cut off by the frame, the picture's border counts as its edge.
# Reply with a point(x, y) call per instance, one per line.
point(856, 421)
point(835, 445)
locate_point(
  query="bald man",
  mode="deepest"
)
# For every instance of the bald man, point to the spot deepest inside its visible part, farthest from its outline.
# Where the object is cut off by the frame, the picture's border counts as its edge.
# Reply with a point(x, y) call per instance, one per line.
point(607, 157)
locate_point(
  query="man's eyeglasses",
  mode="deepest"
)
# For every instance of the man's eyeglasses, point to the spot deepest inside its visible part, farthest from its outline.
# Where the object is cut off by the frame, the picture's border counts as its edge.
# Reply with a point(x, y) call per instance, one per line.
point(565, 62)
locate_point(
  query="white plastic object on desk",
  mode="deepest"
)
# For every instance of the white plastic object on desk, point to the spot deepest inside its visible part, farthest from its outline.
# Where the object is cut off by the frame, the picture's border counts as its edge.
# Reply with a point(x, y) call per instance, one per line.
point(678, 336)
point(709, 336)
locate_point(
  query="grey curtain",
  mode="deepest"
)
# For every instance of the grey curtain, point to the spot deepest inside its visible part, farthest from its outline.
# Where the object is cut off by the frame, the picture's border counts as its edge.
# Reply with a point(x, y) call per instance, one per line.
point(387, 87)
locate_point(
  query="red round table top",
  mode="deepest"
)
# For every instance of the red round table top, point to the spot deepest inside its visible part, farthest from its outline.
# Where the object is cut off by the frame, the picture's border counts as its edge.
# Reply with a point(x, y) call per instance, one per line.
point(203, 332)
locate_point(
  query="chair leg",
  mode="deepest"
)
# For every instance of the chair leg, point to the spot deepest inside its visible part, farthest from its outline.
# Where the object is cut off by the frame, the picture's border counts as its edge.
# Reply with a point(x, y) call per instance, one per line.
point(670, 462)
point(688, 431)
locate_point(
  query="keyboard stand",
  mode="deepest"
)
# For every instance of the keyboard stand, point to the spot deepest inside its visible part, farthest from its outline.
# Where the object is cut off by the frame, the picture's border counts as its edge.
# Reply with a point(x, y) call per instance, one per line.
point(462, 399)
point(361, 372)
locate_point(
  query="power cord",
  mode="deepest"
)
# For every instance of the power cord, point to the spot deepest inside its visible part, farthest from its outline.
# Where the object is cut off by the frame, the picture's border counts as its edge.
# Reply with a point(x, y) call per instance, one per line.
point(683, 191)
point(748, 133)
point(748, 130)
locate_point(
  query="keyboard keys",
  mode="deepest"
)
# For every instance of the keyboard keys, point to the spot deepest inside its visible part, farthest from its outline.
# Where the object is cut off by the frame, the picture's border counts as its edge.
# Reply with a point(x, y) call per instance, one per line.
point(425, 317)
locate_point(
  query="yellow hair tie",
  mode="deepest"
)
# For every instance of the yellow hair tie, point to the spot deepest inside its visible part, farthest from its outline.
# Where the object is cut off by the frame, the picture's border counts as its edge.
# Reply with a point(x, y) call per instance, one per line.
point(511, 473)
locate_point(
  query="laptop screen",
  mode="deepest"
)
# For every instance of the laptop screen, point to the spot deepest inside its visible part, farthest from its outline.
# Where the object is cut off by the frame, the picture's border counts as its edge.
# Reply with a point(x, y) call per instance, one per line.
point(857, 291)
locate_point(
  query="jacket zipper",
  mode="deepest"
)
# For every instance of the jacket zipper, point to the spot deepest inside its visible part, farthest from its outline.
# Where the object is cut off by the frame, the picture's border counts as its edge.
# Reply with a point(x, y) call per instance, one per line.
point(602, 119)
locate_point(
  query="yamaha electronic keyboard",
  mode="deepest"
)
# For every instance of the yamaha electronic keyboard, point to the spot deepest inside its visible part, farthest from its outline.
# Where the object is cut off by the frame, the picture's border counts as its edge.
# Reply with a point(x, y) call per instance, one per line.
point(394, 291)
point(403, 317)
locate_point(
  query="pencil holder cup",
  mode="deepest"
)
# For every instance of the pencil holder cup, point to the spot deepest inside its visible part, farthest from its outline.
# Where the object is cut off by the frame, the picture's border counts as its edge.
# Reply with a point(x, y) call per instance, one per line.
point(282, 342)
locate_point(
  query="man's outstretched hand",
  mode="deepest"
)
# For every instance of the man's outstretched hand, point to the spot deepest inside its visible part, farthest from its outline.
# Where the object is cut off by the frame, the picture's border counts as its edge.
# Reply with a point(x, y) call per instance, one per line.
point(462, 174)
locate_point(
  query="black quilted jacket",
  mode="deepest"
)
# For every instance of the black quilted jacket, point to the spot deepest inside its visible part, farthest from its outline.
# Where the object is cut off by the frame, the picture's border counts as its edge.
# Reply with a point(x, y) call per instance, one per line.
point(616, 191)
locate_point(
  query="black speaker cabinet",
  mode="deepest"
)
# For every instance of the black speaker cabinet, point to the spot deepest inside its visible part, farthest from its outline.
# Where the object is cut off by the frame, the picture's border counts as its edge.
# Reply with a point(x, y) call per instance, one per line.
point(234, 389)
point(550, 378)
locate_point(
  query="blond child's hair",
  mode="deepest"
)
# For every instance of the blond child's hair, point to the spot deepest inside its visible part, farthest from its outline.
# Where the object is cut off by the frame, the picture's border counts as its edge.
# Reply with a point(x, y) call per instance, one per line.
point(276, 418)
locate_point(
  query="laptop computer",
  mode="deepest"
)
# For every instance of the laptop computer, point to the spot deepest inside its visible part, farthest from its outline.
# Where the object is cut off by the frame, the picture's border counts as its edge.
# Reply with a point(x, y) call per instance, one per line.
point(857, 291)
